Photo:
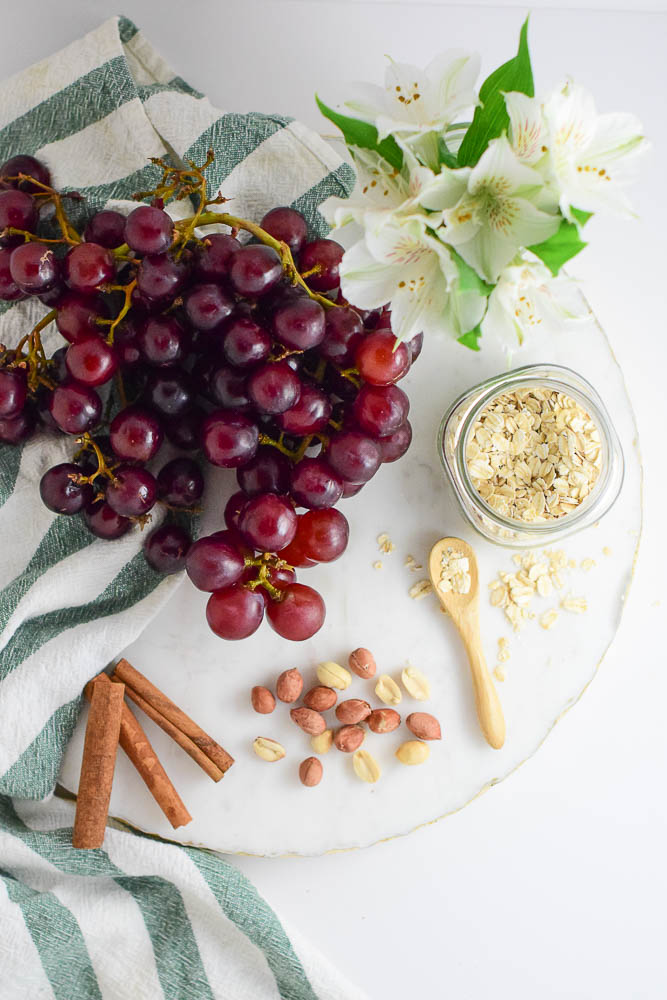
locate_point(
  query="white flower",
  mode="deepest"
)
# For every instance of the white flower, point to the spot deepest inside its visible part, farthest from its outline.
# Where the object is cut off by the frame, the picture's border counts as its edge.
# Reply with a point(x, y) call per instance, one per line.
point(525, 298)
point(488, 209)
point(414, 101)
point(527, 131)
point(402, 264)
point(592, 155)
point(381, 192)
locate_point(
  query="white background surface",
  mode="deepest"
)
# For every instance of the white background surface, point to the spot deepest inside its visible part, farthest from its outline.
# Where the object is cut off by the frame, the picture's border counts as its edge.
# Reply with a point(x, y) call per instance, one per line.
point(553, 884)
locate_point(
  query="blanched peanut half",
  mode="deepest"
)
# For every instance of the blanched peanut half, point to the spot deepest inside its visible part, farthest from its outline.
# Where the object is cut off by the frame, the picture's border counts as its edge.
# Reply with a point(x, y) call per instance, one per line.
point(388, 690)
point(413, 752)
point(416, 684)
point(267, 749)
point(333, 675)
point(322, 742)
point(366, 767)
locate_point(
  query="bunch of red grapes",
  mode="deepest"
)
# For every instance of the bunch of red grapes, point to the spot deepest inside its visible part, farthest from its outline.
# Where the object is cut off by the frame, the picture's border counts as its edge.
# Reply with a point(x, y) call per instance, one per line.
point(232, 356)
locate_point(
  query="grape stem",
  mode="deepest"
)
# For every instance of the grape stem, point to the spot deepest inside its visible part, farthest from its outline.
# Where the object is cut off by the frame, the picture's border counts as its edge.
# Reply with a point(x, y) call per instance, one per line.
point(35, 362)
point(295, 454)
point(88, 442)
point(48, 193)
point(265, 562)
point(113, 323)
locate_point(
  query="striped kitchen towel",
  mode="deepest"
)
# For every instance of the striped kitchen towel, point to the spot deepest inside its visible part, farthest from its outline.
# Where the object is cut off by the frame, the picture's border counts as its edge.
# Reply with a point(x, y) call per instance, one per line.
point(139, 918)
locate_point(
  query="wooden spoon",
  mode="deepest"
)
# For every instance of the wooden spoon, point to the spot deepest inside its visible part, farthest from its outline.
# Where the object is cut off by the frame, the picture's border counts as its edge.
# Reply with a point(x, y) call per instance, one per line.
point(464, 612)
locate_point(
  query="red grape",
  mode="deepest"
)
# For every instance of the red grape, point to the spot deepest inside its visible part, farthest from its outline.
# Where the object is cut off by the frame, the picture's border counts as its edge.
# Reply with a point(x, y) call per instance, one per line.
point(229, 439)
point(295, 554)
point(16, 430)
point(235, 613)
point(132, 492)
point(9, 290)
point(166, 548)
point(91, 361)
point(77, 316)
point(343, 333)
point(394, 446)
point(185, 431)
point(267, 472)
point(274, 387)
point(135, 434)
point(160, 277)
point(214, 258)
point(34, 268)
point(170, 391)
point(162, 340)
point(309, 415)
point(206, 305)
point(215, 562)
point(180, 483)
point(380, 360)
point(255, 270)
point(18, 210)
point(281, 577)
point(299, 324)
point(415, 346)
point(325, 255)
point(106, 228)
point(323, 534)
point(300, 613)
point(23, 164)
point(267, 522)
point(288, 225)
point(13, 392)
point(351, 489)
point(104, 522)
point(314, 484)
point(75, 408)
point(233, 508)
point(60, 493)
point(88, 266)
point(126, 345)
point(148, 230)
point(245, 342)
point(227, 388)
point(380, 410)
point(354, 456)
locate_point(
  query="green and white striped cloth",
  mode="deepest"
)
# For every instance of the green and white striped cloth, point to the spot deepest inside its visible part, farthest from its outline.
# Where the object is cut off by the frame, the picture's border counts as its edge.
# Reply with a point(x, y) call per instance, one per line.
point(138, 918)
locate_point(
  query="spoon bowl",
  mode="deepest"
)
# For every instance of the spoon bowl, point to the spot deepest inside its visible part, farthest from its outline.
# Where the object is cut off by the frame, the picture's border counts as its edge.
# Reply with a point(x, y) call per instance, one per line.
point(463, 609)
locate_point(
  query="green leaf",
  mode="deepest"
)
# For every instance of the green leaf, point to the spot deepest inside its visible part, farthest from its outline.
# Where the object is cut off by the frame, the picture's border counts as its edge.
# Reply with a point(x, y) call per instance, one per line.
point(445, 155)
point(363, 135)
point(472, 338)
point(491, 119)
point(469, 280)
point(559, 248)
point(581, 217)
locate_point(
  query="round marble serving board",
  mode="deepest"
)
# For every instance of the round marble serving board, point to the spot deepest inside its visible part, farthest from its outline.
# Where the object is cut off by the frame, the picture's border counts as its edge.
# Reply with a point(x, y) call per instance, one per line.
point(262, 808)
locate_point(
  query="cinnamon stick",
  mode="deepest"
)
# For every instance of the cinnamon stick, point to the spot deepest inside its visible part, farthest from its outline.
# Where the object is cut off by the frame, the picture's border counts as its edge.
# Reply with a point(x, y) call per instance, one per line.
point(138, 748)
point(97, 766)
point(170, 729)
point(139, 684)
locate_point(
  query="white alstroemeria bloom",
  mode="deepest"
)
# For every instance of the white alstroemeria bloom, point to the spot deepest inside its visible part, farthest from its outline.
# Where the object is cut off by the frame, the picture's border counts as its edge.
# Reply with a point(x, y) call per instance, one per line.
point(592, 156)
point(489, 211)
point(402, 264)
point(414, 101)
point(381, 192)
point(526, 298)
point(528, 130)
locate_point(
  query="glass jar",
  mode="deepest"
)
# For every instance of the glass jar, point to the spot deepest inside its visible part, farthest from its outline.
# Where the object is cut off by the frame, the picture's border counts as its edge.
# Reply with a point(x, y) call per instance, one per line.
point(455, 431)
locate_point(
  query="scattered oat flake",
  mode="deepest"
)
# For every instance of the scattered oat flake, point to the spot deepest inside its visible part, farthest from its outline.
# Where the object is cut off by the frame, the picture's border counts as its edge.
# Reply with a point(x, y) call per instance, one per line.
point(420, 589)
point(577, 605)
point(587, 564)
point(412, 564)
point(549, 619)
point(606, 551)
point(503, 649)
point(499, 673)
point(385, 543)
point(378, 564)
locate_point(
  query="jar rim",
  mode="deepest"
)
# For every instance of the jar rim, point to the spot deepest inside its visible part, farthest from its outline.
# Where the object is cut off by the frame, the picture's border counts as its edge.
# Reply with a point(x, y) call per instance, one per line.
point(558, 377)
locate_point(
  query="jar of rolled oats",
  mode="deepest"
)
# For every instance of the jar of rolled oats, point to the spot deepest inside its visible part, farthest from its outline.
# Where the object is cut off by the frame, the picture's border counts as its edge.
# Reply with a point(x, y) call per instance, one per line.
point(532, 455)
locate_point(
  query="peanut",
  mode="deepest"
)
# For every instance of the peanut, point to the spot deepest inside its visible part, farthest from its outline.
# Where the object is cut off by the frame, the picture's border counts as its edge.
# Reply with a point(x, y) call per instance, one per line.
point(262, 700)
point(320, 698)
point(311, 722)
point(424, 726)
point(333, 675)
point(349, 738)
point(268, 749)
point(413, 752)
point(383, 720)
point(310, 771)
point(366, 767)
point(362, 662)
point(322, 742)
point(416, 684)
point(353, 710)
point(289, 685)
point(388, 690)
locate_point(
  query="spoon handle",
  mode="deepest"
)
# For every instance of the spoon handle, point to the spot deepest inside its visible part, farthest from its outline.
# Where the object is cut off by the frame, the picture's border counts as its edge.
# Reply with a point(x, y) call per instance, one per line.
point(489, 709)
